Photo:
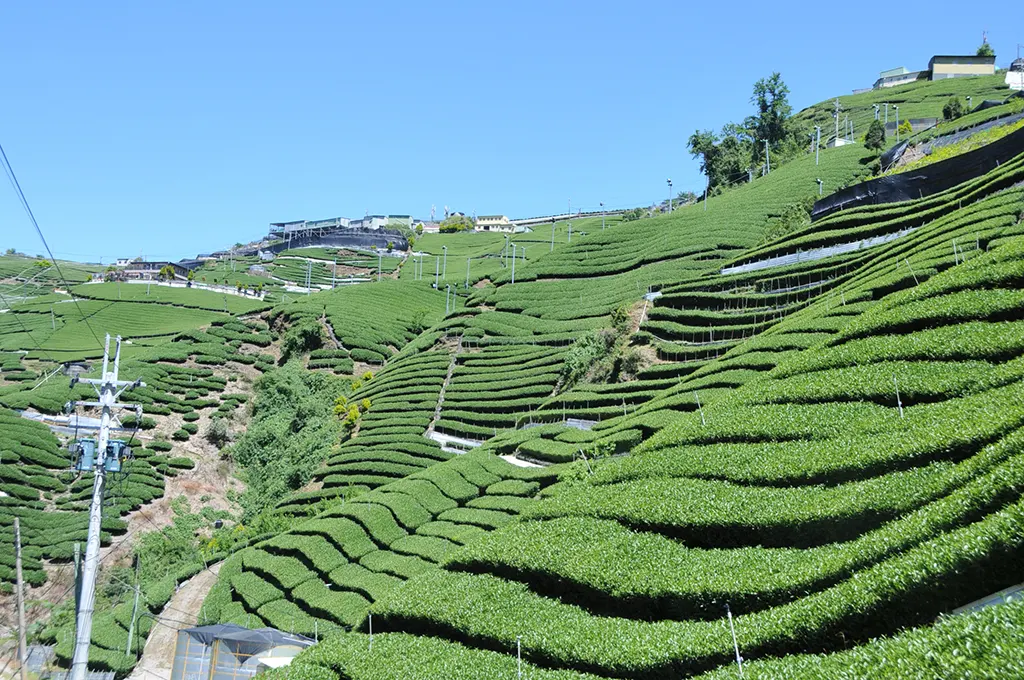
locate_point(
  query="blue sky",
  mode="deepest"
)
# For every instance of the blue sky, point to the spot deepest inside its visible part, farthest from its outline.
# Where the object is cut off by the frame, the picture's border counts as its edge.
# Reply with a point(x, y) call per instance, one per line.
point(171, 128)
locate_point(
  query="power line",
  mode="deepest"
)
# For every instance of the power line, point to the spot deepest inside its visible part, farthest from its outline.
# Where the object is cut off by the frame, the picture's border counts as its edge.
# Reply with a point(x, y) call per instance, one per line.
point(28, 209)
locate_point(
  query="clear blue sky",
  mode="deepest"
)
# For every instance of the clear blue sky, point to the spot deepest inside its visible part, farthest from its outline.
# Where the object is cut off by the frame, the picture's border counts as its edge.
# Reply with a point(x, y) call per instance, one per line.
point(171, 128)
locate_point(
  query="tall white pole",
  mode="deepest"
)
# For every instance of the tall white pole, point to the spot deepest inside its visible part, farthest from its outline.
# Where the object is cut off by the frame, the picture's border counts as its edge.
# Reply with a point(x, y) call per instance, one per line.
point(107, 388)
point(379, 265)
point(552, 234)
point(444, 268)
point(767, 158)
point(602, 216)
point(437, 270)
point(467, 272)
point(334, 274)
point(20, 585)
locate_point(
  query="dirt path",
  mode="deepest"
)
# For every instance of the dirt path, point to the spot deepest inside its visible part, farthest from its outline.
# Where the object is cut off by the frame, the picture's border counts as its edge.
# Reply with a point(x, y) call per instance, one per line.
point(183, 608)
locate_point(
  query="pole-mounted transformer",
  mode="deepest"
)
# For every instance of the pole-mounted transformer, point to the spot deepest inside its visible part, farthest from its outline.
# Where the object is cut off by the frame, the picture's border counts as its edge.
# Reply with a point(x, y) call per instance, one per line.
point(99, 457)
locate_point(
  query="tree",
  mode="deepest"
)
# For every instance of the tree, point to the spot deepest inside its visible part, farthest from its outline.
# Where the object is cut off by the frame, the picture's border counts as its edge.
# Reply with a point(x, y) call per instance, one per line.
point(773, 109)
point(238, 286)
point(985, 50)
point(10, 251)
point(953, 109)
point(456, 223)
point(191, 276)
point(166, 273)
point(875, 138)
point(419, 230)
point(905, 129)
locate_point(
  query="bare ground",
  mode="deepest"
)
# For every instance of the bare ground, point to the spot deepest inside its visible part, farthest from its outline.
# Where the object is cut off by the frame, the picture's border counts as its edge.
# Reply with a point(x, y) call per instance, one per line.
point(180, 612)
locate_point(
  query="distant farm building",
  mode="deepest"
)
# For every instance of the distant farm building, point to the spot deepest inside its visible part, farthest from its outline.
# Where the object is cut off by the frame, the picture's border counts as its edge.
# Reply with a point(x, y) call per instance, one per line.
point(1015, 76)
point(897, 76)
point(495, 223)
point(960, 66)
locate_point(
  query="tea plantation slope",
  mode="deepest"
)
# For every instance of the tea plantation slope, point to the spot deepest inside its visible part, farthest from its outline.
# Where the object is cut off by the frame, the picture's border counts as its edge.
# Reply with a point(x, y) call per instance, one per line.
point(323, 575)
point(812, 516)
point(731, 329)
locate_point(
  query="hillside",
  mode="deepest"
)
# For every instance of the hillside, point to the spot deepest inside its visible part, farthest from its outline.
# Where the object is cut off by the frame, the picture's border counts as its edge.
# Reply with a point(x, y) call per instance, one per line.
point(713, 432)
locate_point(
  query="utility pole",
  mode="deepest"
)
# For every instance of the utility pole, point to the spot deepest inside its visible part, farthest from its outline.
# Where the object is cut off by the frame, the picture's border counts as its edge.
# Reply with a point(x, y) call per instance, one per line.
point(135, 608)
point(836, 115)
point(20, 585)
point(670, 194)
point(513, 263)
point(109, 388)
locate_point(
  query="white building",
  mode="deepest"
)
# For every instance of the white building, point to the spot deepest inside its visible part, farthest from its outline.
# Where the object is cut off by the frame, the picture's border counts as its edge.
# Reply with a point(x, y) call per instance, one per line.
point(1015, 75)
point(499, 223)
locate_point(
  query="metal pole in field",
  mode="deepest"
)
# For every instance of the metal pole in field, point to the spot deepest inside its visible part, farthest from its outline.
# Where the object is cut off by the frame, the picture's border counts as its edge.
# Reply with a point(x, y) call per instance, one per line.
point(897, 109)
point(444, 268)
point(602, 215)
point(886, 122)
point(135, 608)
point(513, 263)
point(437, 270)
point(735, 644)
point(19, 584)
point(467, 272)
point(552, 233)
point(877, 109)
point(819, 186)
point(670, 194)
point(108, 387)
point(334, 274)
point(519, 655)
point(447, 294)
point(570, 232)
point(379, 265)
point(767, 158)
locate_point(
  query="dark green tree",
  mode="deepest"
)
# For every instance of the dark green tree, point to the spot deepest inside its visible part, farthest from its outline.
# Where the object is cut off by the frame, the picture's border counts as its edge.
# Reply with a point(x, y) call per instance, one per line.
point(985, 50)
point(769, 123)
point(875, 138)
point(953, 109)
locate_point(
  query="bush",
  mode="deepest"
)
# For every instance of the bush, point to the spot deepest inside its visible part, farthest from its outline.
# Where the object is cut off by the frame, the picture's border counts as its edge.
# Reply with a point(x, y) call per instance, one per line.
point(181, 436)
point(218, 433)
point(875, 138)
point(191, 428)
point(953, 109)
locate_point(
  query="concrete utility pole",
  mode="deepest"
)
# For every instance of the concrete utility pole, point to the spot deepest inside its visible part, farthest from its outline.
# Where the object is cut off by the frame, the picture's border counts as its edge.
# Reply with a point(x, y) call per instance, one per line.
point(836, 115)
point(109, 388)
point(135, 608)
point(20, 585)
point(670, 194)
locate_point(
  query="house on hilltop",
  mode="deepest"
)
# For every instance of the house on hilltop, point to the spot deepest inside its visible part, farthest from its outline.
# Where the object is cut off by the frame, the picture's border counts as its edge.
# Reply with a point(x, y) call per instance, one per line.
point(943, 66)
point(495, 223)
point(1015, 75)
point(897, 76)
